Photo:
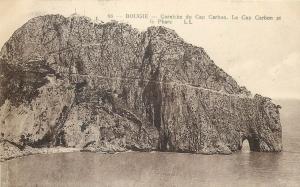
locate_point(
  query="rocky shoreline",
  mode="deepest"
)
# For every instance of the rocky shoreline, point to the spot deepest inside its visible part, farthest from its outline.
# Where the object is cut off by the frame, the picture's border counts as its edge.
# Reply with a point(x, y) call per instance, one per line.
point(9, 152)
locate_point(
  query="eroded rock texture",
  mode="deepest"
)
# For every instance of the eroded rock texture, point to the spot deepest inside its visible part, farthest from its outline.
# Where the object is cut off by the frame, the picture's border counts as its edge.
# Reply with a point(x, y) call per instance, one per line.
point(69, 82)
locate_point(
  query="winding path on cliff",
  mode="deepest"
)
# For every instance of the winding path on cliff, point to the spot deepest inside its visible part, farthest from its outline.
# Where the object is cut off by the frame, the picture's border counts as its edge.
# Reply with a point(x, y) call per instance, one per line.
point(160, 82)
point(138, 79)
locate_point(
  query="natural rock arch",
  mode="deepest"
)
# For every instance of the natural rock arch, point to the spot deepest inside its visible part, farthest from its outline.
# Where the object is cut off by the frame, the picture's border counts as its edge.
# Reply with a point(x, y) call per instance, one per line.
point(253, 143)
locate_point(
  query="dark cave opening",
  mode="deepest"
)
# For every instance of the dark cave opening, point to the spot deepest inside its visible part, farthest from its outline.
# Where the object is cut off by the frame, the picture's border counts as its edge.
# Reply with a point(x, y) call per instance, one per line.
point(250, 144)
point(254, 143)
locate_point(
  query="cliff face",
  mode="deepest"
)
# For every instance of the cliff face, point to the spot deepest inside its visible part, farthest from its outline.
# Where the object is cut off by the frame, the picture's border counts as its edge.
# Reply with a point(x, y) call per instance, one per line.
point(69, 82)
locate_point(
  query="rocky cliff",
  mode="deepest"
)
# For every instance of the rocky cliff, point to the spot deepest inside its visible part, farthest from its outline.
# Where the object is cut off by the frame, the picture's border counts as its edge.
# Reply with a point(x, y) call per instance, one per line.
point(73, 83)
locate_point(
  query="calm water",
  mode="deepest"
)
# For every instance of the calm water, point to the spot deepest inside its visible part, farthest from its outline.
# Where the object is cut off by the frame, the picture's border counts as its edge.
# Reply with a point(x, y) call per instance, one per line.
point(166, 169)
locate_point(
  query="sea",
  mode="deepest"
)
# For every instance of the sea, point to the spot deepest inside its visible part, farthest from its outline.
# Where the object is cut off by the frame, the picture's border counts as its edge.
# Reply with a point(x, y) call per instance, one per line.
point(243, 168)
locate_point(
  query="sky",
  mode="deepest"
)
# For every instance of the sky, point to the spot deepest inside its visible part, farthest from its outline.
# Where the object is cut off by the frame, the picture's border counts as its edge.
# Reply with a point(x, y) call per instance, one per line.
point(262, 55)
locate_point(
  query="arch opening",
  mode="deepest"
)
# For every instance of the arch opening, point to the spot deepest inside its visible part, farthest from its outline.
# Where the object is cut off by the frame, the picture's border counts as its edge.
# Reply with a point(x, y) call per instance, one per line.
point(245, 146)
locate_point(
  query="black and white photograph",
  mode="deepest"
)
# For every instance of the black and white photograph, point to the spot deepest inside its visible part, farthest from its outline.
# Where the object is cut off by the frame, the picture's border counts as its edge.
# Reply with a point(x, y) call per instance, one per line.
point(154, 93)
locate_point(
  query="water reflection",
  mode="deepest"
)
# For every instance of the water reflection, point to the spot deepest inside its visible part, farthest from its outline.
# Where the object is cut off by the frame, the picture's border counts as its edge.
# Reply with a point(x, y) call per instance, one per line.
point(157, 169)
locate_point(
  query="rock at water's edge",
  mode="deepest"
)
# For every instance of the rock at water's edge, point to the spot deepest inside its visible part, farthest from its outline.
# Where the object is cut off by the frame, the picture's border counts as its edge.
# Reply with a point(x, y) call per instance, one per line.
point(72, 83)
